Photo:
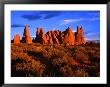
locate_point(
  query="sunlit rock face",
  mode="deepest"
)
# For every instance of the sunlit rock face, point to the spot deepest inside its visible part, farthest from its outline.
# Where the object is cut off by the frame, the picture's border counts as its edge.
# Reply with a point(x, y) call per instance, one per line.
point(57, 37)
point(79, 37)
point(16, 39)
point(40, 36)
point(26, 36)
point(67, 37)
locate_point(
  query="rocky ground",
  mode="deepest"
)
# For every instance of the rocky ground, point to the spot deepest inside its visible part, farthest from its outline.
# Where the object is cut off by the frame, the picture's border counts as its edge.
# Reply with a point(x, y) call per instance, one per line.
point(49, 60)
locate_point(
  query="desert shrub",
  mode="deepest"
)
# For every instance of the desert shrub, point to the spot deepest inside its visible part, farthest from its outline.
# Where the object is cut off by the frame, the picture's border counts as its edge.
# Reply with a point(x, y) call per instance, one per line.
point(23, 56)
point(53, 53)
point(92, 44)
point(93, 71)
point(55, 60)
point(57, 53)
point(94, 55)
point(16, 48)
point(67, 71)
point(81, 56)
point(81, 73)
point(28, 68)
point(60, 62)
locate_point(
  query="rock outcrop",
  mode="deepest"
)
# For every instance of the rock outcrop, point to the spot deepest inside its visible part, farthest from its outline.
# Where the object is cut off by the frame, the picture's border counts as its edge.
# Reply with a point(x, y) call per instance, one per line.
point(49, 37)
point(57, 37)
point(67, 37)
point(40, 36)
point(26, 36)
point(79, 37)
point(16, 39)
point(55, 40)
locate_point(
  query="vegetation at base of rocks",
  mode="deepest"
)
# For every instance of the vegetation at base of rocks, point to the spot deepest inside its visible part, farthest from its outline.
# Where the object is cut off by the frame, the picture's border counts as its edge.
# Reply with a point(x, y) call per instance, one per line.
point(37, 60)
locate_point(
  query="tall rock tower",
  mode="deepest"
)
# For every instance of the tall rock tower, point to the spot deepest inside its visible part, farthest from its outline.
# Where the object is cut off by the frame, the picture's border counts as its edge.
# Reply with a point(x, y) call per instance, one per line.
point(79, 37)
point(26, 36)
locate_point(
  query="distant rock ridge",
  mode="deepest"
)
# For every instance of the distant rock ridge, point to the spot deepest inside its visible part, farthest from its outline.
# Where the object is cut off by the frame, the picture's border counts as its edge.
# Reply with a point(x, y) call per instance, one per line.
point(53, 37)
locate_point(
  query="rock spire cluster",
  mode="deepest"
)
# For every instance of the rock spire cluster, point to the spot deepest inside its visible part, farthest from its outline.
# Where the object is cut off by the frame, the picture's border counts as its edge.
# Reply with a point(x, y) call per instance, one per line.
point(53, 37)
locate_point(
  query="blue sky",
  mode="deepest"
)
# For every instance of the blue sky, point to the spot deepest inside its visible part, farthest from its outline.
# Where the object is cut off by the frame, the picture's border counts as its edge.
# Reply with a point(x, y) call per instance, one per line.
point(56, 20)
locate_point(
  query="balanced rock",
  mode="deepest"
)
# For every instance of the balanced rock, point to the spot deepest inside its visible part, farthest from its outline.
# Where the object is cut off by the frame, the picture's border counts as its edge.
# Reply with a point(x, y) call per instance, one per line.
point(26, 36)
point(17, 39)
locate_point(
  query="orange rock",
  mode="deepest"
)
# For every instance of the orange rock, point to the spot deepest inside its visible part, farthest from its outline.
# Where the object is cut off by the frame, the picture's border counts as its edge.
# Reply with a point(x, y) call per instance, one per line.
point(37, 39)
point(43, 36)
point(79, 36)
point(55, 40)
point(17, 39)
point(57, 37)
point(26, 36)
point(38, 31)
point(50, 37)
point(68, 36)
point(40, 36)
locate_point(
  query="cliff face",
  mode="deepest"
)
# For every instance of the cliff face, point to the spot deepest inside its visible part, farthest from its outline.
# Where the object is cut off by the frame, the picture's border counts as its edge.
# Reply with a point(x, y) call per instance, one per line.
point(53, 37)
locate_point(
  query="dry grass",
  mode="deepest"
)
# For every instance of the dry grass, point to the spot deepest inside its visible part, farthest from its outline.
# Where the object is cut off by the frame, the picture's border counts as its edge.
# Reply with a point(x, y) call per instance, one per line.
point(55, 60)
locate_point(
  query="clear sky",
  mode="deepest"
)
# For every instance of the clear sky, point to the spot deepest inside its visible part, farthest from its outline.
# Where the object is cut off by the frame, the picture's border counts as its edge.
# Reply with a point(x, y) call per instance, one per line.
point(56, 20)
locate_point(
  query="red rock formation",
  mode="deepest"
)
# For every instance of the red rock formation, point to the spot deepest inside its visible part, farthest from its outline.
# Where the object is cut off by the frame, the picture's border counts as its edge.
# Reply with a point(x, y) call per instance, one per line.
point(68, 36)
point(43, 36)
point(40, 36)
point(17, 39)
point(79, 37)
point(57, 37)
point(55, 40)
point(49, 37)
point(53, 36)
point(26, 36)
